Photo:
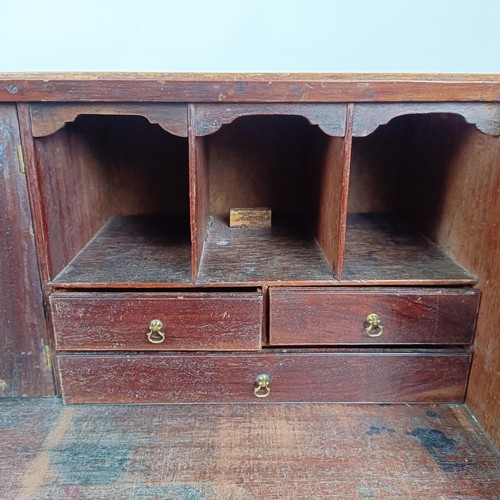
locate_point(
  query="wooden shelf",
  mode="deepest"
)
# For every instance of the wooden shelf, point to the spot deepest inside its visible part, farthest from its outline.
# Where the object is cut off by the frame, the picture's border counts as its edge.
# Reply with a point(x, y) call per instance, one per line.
point(281, 253)
point(382, 250)
point(131, 251)
point(139, 251)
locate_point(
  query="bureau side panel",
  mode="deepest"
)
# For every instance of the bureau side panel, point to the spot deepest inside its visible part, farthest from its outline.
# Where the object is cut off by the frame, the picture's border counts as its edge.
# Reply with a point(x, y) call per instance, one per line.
point(23, 331)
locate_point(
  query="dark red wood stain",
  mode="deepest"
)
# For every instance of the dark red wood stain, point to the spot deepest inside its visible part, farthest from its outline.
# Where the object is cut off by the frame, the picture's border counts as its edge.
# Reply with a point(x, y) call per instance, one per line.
point(327, 316)
point(191, 321)
point(414, 148)
point(336, 376)
point(24, 367)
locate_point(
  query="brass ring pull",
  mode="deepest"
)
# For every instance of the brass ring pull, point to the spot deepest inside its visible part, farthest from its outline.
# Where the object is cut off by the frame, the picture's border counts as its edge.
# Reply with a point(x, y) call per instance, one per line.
point(155, 336)
point(262, 390)
point(373, 326)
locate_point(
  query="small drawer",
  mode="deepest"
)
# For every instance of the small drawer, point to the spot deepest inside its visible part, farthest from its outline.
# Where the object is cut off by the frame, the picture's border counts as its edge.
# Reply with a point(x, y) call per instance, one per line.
point(157, 321)
point(361, 375)
point(327, 316)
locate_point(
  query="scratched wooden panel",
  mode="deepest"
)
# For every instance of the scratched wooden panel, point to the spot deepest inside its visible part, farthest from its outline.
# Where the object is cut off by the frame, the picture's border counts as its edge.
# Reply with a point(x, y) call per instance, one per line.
point(305, 316)
point(133, 251)
point(102, 166)
point(191, 321)
point(281, 253)
point(443, 175)
point(205, 87)
point(244, 451)
point(337, 375)
point(23, 332)
point(384, 249)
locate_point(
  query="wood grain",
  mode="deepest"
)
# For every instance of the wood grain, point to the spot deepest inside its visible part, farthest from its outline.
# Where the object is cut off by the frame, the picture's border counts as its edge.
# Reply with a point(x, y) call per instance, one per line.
point(368, 117)
point(23, 330)
point(253, 256)
point(191, 321)
point(198, 194)
point(349, 376)
point(132, 251)
point(47, 119)
point(250, 217)
point(69, 183)
point(139, 251)
point(327, 316)
point(330, 194)
point(262, 161)
point(468, 229)
point(161, 87)
point(447, 186)
point(383, 250)
point(101, 166)
point(330, 118)
point(269, 452)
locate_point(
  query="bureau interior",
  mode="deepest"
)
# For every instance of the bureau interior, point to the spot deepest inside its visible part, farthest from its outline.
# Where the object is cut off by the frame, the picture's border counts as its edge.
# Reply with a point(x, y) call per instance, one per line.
point(287, 165)
point(408, 191)
point(118, 188)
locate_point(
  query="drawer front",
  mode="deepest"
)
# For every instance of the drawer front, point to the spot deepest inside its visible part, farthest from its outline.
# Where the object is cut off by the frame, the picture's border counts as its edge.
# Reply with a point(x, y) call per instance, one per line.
point(294, 377)
point(325, 316)
point(189, 321)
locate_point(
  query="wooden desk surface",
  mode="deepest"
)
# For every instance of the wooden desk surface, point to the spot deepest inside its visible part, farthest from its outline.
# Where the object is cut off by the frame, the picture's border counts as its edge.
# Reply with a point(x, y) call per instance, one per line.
point(243, 451)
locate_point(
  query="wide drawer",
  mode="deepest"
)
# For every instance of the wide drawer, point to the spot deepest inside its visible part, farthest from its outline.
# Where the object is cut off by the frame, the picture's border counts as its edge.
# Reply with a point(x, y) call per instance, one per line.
point(327, 316)
point(342, 376)
point(189, 321)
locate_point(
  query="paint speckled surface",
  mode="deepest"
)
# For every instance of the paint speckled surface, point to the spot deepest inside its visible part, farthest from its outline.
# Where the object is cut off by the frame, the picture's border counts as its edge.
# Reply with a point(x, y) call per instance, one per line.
point(51, 451)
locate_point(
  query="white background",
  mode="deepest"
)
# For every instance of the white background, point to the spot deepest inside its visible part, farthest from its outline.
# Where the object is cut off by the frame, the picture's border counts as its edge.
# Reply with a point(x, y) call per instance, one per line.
point(431, 36)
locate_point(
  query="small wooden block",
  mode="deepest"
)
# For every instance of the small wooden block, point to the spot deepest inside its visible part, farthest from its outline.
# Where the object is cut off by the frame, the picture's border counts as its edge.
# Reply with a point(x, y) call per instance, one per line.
point(250, 217)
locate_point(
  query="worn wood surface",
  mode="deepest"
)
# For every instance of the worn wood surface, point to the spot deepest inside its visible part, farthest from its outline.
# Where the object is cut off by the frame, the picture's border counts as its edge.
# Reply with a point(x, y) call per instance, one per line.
point(101, 166)
point(49, 118)
point(67, 184)
point(444, 175)
point(253, 256)
point(191, 321)
point(468, 229)
point(449, 191)
point(380, 249)
point(327, 190)
point(370, 375)
point(368, 117)
point(153, 250)
point(39, 220)
point(244, 451)
point(24, 369)
point(133, 251)
point(330, 194)
point(141, 87)
point(198, 194)
point(330, 118)
point(282, 163)
point(261, 161)
point(304, 316)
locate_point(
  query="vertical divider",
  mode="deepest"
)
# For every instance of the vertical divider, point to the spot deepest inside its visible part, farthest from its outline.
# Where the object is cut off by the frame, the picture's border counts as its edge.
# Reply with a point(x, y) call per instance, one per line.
point(344, 195)
point(198, 192)
point(332, 191)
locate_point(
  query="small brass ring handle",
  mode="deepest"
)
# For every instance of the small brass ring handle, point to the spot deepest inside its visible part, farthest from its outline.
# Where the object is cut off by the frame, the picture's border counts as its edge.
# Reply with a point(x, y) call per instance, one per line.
point(155, 336)
point(262, 390)
point(373, 326)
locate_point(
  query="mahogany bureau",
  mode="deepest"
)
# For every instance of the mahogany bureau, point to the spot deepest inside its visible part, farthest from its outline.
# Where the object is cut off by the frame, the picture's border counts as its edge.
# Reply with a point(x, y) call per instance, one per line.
point(364, 286)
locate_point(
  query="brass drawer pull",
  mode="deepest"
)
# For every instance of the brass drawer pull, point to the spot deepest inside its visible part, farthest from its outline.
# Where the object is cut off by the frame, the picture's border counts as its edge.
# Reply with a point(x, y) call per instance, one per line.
point(155, 336)
point(373, 326)
point(262, 390)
